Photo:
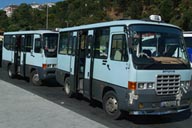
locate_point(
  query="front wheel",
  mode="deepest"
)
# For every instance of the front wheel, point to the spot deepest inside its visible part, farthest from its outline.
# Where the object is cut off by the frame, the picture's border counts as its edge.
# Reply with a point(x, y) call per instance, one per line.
point(111, 105)
point(34, 78)
point(67, 87)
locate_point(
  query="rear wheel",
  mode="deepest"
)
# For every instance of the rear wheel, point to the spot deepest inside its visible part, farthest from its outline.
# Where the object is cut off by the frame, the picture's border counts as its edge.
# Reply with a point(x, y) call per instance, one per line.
point(10, 73)
point(67, 87)
point(111, 105)
point(34, 78)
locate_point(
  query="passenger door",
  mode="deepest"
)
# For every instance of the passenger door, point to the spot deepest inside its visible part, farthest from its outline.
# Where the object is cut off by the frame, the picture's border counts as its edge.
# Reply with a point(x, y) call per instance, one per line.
point(117, 63)
point(88, 74)
point(113, 69)
point(23, 56)
point(17, 54)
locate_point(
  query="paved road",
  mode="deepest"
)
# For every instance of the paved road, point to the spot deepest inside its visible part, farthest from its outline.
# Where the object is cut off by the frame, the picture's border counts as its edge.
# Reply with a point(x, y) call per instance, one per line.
point(52, 94)
point(22, 109)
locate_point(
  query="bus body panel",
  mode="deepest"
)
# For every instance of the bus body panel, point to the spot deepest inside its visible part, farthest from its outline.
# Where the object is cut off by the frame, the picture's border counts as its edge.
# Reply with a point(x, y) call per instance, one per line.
point(62, 62)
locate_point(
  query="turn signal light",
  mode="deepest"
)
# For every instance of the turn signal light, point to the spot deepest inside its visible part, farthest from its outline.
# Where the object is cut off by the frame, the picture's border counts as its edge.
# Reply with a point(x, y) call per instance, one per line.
point(132, 85)
point(44, 66)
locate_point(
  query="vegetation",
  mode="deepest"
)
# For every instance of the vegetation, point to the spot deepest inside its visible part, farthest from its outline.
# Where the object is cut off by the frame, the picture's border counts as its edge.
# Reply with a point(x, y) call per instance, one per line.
point(77, 12)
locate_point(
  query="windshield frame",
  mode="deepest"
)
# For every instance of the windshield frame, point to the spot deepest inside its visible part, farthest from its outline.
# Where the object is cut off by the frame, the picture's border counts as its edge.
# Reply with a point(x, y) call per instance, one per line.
point(142, 61)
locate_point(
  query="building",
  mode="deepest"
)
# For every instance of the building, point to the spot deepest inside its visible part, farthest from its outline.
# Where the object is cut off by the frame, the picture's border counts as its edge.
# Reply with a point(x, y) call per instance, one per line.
point(10, 9)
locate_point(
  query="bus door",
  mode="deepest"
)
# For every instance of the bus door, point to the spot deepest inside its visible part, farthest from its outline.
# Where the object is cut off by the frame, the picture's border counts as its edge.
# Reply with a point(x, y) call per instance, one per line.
point(73, 41)
point(80, 60)
point(36, 53)
point(88, 72)
point(17, 54)
point(23, 56)
point(117, 64)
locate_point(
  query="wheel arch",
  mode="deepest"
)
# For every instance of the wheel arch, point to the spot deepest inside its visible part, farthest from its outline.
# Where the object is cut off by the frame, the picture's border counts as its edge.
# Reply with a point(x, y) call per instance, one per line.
point(65, 76)
point(107, 89)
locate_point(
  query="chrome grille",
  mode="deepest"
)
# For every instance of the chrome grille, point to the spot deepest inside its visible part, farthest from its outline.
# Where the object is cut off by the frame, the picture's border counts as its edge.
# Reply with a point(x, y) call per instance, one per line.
point(167, 84)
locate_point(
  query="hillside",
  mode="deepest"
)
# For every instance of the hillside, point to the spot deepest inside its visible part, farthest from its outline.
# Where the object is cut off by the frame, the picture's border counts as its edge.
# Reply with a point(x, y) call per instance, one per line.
point(77, 12)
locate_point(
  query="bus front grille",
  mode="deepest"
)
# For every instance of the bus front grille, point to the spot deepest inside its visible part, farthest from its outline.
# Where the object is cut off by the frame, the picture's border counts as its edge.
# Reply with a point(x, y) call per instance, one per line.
point(167, 84)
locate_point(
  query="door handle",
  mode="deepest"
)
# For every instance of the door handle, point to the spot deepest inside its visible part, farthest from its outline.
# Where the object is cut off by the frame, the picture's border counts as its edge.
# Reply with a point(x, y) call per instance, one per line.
point(108, 67)
point(104, 62)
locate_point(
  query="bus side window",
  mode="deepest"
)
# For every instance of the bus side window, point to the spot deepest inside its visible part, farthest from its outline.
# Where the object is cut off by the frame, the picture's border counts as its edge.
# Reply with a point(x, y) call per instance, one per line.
point(70, 45)
point(8, 42)
point(29, 43)
point(89, 46)
point(119, 48)
point(63, 43)
point(37, 45)
point(101, 43)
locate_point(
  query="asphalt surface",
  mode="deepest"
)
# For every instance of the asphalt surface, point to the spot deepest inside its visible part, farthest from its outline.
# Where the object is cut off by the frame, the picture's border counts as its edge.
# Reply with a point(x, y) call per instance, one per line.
point(53, 106)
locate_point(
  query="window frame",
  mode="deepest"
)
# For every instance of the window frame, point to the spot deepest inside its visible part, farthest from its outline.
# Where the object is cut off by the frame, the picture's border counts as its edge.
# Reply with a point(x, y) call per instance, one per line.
point(123, 51)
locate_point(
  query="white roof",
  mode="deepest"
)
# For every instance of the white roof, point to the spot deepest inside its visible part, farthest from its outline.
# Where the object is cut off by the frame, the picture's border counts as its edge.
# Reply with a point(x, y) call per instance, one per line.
point(30, 32)
point(187, 33)
point(115, 23)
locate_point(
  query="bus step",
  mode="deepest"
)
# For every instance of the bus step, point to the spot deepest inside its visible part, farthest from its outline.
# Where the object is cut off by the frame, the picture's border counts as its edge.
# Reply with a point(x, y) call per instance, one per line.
point(18, 70)
point(80, 86)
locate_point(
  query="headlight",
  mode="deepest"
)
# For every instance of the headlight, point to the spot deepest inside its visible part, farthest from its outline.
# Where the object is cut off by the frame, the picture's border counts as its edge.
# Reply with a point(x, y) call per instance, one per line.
point(51, 65)
point(150, 86)
point(185, 83)
point(142, 86)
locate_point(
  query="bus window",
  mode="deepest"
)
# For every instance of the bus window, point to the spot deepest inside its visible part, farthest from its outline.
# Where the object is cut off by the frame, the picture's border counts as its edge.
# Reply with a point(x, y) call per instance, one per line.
point(63, 42)
point(29, 43)
point(89, 43)
point(37, 45)
point(119, 49)
point(8, 43)
point(50, 44)
point(70, 46)
point(101, 43)
point(74, 42)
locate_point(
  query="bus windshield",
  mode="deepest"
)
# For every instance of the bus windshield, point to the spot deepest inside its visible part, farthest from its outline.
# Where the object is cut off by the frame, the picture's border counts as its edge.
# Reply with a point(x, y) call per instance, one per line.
point(50, 44)
point(157, 47)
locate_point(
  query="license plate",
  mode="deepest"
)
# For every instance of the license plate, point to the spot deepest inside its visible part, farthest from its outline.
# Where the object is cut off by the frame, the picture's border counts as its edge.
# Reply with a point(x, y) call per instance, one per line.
point(168, 103)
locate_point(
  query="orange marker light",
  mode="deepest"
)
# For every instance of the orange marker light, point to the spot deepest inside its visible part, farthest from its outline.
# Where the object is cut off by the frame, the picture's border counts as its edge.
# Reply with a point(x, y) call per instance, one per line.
point(132, 85)
point(44, 66)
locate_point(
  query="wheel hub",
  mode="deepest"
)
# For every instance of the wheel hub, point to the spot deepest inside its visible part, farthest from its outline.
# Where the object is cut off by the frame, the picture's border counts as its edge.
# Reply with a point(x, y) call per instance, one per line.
point(111, 105)
point(67, 89)
point(36, 78)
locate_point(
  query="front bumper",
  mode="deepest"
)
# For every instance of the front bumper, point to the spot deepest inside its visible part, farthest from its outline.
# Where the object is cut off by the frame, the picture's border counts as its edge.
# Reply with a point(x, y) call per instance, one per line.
point(47, 73)
point(160, 111)
point(151, 104)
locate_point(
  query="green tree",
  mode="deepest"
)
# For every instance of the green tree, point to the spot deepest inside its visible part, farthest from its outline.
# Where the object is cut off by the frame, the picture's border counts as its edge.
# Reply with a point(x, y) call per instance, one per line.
point(22, 17)
point(166, 9)
point(3, 20)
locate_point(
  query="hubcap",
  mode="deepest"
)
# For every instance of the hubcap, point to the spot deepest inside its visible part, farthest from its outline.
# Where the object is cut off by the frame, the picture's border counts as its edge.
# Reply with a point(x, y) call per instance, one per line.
point(36, 78)
point(67, 88)
point(10, 73)
point(111, 105)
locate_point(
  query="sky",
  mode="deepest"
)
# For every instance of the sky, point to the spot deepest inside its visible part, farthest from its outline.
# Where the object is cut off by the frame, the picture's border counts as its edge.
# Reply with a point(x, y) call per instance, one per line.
point(4, 3)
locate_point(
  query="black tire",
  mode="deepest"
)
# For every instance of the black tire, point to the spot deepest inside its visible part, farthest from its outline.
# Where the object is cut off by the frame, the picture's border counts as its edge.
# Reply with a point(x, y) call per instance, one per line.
point(111, 105)
point(34, 78)
point(67, 88)
point(10, 73)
